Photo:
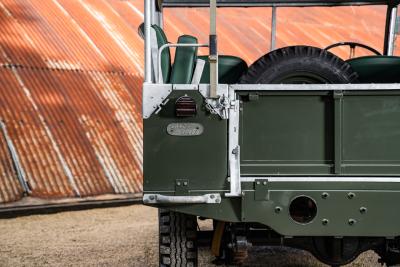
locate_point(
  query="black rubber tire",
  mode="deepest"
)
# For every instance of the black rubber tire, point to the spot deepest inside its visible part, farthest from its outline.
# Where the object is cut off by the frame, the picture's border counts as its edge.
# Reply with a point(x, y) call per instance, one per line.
point(177, 239)
point(299, 64)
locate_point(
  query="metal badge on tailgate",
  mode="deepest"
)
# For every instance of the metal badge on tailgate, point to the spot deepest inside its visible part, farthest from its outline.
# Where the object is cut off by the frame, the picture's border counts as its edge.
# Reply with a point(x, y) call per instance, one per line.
point(185, 129)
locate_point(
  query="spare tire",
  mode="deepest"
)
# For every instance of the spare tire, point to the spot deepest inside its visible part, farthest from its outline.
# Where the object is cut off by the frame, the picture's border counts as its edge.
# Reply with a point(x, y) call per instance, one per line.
point(299, 65)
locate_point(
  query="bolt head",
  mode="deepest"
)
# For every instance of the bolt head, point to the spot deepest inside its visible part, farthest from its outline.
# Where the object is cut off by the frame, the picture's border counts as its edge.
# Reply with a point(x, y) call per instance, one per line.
point(325, 221)
point(351, 195)
point(278, 209)
point(352, 222)
point(363, 210)
point(325, 195)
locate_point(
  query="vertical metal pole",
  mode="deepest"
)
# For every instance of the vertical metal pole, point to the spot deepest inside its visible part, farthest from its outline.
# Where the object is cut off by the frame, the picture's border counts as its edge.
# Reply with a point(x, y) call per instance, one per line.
point(213, 55)
point(147, 39)
point(392, 31)
point(273, 28)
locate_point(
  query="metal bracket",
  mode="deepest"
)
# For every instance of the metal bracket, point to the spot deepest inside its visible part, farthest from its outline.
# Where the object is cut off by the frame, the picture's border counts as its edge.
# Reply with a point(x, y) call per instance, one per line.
point(181, 186)
point(233, 147)
point(163, 199)
point(154, 95)
point(219, 105)
point(261, 192)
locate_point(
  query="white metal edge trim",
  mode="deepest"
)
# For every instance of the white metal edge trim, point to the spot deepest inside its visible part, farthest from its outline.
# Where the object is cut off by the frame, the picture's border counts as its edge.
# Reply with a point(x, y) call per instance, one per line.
point(233, 147)
point(324, 179)
point(315, 87)
point(153, 97)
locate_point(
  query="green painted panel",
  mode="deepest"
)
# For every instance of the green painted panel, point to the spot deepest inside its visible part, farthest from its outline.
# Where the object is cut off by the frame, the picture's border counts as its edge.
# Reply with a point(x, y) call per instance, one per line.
point(371, 134)
point(338, 208)
point(286, 134)
point(202, 160)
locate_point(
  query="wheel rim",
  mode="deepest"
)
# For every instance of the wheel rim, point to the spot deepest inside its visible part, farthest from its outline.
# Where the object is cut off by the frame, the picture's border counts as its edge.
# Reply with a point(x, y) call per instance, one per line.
point(303, 78)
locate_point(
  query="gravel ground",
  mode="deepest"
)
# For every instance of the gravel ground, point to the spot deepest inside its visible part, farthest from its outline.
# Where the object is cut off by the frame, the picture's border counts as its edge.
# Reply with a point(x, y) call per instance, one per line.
point(123, 236)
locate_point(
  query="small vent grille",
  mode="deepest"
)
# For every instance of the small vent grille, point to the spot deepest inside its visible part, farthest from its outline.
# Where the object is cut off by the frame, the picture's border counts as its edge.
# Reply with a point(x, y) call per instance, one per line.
point(185, 106)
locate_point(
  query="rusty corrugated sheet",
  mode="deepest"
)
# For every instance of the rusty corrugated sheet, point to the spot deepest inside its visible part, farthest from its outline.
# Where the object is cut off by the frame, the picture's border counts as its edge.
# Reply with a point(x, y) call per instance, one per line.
point(70, 77)
point(71, 74)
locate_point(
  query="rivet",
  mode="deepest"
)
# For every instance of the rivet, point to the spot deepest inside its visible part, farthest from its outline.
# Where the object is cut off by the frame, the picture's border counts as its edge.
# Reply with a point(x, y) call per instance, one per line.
point(258, 182)
point(363, 210)
point(352, 221)
point(264, 183)
point(212, 196)
point(278, 209)
point(325, 195)
point(151, 197)
point(325, 221)
point(351, 195)
point(185, 183)
point(178, 183)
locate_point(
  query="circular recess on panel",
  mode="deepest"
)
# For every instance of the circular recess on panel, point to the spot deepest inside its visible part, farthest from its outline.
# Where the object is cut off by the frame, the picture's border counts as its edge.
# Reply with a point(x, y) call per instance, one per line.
point(303, 209)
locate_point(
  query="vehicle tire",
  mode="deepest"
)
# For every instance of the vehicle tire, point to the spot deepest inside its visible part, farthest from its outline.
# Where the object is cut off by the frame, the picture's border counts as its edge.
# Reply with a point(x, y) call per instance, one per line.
point(299, 65)
point(177, 239)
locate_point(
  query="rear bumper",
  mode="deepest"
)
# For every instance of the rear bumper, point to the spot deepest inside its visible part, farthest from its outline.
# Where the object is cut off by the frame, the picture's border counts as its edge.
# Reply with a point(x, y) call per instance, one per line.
point(348, 206)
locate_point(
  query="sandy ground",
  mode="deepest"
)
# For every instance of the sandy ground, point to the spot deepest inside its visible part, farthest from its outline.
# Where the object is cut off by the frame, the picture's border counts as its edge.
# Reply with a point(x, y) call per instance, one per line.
point(123, 236)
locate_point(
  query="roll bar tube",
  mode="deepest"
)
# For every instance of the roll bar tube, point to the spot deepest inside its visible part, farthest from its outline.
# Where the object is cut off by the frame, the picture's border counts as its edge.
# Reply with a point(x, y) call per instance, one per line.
point(147, 40)
point(392, 31)
point(161, 49)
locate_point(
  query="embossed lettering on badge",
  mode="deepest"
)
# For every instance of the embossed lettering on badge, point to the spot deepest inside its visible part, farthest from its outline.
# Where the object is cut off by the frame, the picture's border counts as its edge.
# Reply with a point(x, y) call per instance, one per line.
point(185, 129)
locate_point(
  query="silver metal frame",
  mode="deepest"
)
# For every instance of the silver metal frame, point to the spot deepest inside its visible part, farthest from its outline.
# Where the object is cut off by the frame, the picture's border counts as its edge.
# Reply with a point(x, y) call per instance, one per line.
point(392, 32)
point(277, 4)
point(233, 141)
point(147, 41)
point(273, 28)
point(161, 49)
point(348, 179)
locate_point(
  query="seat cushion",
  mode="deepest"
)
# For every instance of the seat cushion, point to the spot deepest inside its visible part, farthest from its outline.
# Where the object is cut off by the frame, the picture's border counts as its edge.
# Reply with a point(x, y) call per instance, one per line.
point(185, 61)
point(165, 55)
point(377, 69)
point(230, 69)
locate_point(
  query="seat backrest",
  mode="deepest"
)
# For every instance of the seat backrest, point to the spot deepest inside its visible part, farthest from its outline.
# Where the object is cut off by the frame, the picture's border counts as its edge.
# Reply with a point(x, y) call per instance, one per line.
point(165, 55)
point(377, 69)
point(230, 69)
point(185, 61)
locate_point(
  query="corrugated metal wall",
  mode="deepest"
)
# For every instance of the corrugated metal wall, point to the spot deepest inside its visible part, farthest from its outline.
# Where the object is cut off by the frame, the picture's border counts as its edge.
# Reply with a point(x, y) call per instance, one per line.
point(71, 74)
point(70, 98)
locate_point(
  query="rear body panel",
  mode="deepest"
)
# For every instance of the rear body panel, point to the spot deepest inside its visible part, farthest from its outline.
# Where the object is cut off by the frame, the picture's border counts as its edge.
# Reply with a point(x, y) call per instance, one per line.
point(338, 147)
point(320, 133)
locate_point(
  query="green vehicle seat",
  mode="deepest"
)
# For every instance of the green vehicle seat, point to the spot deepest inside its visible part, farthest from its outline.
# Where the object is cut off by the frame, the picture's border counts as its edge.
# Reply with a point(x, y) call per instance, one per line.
point(377, 69)
point(185, 61)
point(230, 69)
point(165, 55)
point(185, 58)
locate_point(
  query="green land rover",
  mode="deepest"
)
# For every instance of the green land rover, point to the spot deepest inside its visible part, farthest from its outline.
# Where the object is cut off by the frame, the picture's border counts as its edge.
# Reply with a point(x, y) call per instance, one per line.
point(299, 149)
